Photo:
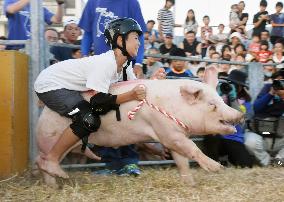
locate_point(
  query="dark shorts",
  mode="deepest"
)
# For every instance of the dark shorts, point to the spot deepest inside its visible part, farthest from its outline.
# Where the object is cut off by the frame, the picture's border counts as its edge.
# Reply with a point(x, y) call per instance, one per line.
point(61, 101)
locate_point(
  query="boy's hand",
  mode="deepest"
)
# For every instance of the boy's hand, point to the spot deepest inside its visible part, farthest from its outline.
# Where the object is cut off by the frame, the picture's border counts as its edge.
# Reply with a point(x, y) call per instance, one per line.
point(139, 92)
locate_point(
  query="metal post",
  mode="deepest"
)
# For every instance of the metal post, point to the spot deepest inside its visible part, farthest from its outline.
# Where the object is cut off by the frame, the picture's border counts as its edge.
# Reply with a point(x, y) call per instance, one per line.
point(37, 63)
point(255, 79)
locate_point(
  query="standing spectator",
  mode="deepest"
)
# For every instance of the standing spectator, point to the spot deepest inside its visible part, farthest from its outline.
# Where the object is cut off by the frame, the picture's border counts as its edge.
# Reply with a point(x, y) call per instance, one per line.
point(178, 68)
point(206, 33)
point(97, 14)
point(277, 22)
point(71, 34)
point(261, 18)
point(243, 16)
point(190, 22)
point(152, 32)
point(18, 14)
point(234, 17)
point(166, 19)
point(190, 45)
point(278, 56)
point(3, 47)
point(51, 35)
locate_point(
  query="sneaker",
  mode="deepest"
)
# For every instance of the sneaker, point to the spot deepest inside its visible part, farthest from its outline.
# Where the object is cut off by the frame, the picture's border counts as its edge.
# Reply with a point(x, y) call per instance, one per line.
point(103, 172)
point(130, 169)
point(278, 162)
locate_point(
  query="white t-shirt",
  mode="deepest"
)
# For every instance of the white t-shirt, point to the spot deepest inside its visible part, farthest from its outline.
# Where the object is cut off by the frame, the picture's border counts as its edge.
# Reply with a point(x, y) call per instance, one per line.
point(96, 72)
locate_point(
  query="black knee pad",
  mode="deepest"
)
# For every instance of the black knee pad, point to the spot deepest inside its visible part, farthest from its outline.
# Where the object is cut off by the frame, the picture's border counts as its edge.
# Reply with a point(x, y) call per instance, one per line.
point(84, 121)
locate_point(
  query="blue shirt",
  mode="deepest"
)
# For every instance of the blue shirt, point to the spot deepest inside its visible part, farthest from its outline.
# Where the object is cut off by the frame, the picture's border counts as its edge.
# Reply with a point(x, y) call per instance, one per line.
point(186, 73)
point(98, 13)
point(19, 26)
point(277, 19)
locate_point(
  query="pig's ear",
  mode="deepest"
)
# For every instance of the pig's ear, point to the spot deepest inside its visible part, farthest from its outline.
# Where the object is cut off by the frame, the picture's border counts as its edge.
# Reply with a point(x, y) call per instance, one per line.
point(190, 93)
point(211, 76)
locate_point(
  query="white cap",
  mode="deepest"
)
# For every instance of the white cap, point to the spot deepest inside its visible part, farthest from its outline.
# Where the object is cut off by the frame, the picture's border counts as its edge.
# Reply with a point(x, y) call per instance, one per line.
point(236, 34)
point(70, 20)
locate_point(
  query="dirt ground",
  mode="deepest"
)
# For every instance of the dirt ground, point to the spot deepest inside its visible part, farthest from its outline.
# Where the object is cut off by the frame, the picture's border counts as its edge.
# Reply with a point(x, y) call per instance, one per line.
point(155, 184)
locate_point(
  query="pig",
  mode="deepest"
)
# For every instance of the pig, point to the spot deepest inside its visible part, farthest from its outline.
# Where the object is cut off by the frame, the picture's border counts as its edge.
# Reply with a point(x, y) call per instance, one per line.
point(196, 104)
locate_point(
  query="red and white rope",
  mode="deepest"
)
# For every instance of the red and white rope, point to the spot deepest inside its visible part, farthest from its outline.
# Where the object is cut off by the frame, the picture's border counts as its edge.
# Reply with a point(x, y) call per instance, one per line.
point(131, 114)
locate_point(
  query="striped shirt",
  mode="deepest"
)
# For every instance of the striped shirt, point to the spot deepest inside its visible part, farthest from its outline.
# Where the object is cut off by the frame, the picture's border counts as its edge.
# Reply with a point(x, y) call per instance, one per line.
point(166, 19)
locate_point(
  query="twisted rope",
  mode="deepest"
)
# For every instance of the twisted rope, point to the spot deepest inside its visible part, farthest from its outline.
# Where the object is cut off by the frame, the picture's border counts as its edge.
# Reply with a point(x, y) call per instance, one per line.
point(131, 114)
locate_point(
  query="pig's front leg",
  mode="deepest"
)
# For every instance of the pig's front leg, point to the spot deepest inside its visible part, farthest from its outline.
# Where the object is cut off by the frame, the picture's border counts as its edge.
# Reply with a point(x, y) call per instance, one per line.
point(183, 168)
point(187, 148)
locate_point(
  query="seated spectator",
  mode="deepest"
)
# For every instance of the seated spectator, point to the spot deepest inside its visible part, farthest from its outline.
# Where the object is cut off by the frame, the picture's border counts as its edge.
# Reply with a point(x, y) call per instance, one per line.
point(71, 34)
point(239, 58)
point(226, 52)
point(178, 68)
point(147, 42)
point(152, 64)
point(268, 105)
point(167, 46)
point(268, 71)
point(219, 39)
point(224, 68)
point(210, 51)
point(190, 45)
point(200, 73)
point(235, 39)
point(51, 35)
point(193, 66)
point(240, 49)
point(264, 54)
point(278, 56)
point(76, 53)
point(190, 22)
point(277, 22)
point(264, 35)
point(253, 47)
point(232, 145)
point(3, 47)
point(154, 34)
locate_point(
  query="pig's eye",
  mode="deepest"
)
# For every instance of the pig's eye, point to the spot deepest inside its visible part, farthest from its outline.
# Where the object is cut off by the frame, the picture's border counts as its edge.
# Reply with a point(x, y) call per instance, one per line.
point(212, 107)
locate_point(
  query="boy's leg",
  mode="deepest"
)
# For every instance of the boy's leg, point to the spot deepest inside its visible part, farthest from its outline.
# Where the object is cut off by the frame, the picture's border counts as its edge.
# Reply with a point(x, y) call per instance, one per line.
point(50, 162)
point(63, 102)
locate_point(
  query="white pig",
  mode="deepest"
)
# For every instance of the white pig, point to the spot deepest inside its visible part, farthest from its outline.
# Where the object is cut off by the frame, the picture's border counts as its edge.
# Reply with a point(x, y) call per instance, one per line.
point(194, 103)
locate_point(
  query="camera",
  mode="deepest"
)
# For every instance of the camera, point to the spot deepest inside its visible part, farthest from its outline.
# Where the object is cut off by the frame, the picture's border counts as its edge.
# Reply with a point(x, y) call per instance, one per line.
point(225, 88)
point(278, 84)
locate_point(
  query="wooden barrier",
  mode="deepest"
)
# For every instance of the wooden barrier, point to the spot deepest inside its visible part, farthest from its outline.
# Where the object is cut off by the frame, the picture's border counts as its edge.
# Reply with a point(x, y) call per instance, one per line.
point(14, 138)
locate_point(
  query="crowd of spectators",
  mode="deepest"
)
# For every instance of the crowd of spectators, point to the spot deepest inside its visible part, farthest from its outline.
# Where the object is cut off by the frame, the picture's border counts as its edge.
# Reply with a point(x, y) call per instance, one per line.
point(262, 45)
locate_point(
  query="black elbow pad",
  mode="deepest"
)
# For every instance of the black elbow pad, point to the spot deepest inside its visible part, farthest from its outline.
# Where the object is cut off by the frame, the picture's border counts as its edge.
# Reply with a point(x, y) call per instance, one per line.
point(102, 103)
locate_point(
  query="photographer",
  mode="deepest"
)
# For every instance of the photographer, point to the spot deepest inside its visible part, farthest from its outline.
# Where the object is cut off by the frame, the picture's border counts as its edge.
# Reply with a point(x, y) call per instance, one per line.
point(233, 90)
point(269, 110)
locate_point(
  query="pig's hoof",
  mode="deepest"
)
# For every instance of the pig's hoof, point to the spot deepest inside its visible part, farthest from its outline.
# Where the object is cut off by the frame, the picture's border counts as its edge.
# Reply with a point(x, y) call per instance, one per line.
point(50, 180)
point(52, 168)
point(188, 179)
